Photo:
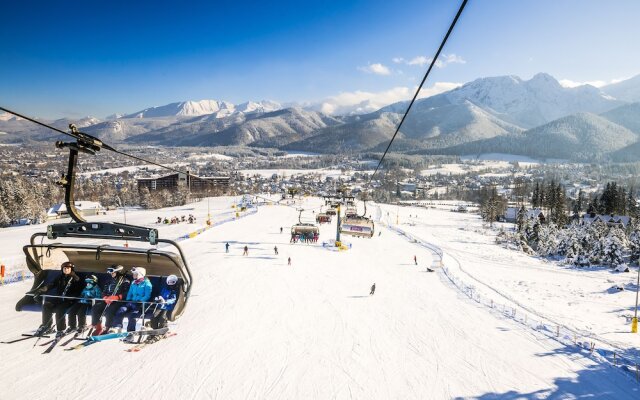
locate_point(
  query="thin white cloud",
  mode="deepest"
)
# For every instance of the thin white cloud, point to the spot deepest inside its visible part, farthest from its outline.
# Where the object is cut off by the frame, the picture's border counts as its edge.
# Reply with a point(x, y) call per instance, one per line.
point(376, 68)
point(437, 88)
point(420, 60)
point(597, 83)
point(360, 102)
point(443, 61)
point(571, 84)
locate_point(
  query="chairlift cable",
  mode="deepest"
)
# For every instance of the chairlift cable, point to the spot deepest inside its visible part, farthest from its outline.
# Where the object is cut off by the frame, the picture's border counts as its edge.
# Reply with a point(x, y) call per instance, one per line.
point(433, 62)
point(85, 136)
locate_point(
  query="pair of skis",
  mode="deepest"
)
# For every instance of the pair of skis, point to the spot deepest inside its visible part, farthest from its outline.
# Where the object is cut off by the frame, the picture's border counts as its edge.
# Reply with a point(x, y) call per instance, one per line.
point(52, 343)
point(144, 344)
point(109, 336)
point(25, 336)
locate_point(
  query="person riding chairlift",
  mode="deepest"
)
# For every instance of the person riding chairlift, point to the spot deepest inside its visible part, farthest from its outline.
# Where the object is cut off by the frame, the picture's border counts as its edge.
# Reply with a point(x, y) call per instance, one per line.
point(139, 291)
point(67, 284)
point(167, 300)
point(114, 289)
point(78, 312)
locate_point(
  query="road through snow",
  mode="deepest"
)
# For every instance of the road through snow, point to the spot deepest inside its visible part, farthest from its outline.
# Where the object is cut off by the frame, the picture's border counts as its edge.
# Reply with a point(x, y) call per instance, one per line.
point(256, 328)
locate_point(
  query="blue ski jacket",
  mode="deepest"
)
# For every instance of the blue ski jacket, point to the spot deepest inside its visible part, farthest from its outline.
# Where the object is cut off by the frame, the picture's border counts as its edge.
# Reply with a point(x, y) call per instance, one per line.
point(90, 293)
point(139, 291)
point(169, 295)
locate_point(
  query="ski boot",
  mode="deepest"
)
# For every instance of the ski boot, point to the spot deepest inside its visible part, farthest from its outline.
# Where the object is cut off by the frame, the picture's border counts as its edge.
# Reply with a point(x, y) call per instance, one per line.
point(97, 329)
point(153, 339)
point(129, 339)
point(43, 330)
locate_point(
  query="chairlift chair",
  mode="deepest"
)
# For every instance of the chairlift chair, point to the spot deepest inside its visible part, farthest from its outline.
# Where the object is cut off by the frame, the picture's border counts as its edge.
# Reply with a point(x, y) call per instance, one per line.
point(44, 259)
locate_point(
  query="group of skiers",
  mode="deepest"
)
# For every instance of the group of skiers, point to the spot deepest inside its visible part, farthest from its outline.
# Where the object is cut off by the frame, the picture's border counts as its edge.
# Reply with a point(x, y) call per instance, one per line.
point(304, 237)
point(175, 220)
point(121, 295)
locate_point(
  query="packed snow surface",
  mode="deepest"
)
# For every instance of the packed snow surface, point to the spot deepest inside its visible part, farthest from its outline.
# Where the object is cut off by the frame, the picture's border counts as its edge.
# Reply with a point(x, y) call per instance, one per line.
point(256, 328)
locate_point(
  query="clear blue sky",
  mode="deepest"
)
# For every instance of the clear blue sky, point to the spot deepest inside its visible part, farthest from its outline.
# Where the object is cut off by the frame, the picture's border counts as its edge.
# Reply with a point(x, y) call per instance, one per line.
point(100, 57)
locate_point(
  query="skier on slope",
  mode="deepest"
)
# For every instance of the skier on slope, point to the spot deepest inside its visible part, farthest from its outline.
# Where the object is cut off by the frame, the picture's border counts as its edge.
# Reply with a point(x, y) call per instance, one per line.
point(67, 284)
point(167, 300)
point(226, 247)
point(246, 251)
point(280, 229)
point(415, 260)
point(275, 250)
point(289, 261)
point(373, 289)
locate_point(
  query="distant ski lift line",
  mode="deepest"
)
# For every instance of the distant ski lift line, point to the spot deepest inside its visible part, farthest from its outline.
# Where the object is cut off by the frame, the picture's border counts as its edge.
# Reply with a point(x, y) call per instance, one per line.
point(101, 144)
point(424, 79)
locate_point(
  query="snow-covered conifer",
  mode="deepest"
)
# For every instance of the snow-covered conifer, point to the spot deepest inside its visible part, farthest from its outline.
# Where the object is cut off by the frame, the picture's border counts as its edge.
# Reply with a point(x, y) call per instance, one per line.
point(612, 252)
point(4, 218)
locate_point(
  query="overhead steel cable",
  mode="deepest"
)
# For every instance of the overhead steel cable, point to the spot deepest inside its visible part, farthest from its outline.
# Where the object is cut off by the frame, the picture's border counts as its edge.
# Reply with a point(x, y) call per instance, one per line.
point(84, 136)
point(433, 62)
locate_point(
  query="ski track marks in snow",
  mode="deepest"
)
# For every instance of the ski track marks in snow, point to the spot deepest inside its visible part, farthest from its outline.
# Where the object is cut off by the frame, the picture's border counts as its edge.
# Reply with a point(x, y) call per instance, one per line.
point(256, 328)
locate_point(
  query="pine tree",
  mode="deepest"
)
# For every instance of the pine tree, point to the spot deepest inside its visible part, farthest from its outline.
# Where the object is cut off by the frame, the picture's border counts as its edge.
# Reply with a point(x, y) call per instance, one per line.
point(632, 205)
point(521, 218)
point(621, 207)
point(4, 218)
point(569, 242)
point(612, 252)
point(559, 213)
point(634, 244)
point(535, 198)
point(534, 234)
point(547, 240)
point(592, 208)
point(581, 201)
point(597, 254)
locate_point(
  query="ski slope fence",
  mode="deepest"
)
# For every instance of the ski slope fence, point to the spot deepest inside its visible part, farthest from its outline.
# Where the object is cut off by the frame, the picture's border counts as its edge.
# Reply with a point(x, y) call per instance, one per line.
point(587, 344)
point(15, 269)
point(235, 215)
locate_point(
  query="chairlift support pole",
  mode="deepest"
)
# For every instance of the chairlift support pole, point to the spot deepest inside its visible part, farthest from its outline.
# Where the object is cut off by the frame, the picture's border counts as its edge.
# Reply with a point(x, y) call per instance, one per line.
point(634, 322)
point(338, 226)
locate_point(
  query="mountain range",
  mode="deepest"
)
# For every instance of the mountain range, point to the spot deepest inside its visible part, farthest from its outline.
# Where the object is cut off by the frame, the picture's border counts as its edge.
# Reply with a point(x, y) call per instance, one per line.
point(537, 117)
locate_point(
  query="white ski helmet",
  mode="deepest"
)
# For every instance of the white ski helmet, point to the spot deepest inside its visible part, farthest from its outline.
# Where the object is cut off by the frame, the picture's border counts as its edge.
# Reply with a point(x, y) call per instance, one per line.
point(172, 280)
point(141, 271)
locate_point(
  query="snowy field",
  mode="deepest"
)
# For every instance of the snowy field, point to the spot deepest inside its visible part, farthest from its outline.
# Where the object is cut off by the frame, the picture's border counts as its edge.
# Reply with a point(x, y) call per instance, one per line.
point(581, 298)
point(256, 328)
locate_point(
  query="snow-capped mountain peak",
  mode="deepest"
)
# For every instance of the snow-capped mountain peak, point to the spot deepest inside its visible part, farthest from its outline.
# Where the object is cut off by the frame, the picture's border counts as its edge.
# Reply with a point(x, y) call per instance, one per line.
point(217, 108)
point(260, 106)
point(530, 103)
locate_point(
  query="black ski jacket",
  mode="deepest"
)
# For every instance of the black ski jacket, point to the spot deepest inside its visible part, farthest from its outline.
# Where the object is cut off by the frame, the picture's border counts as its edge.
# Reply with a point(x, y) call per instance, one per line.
point(109, 288)
point(65, 285)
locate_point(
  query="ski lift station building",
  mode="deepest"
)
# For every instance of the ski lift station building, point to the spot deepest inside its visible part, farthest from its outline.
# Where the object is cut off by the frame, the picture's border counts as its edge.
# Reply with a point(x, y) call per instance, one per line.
point(86, 208)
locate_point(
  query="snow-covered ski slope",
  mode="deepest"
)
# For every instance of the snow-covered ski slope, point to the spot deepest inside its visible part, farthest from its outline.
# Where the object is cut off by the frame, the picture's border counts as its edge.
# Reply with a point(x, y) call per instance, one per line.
point(256, 328)
point(581, 298)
